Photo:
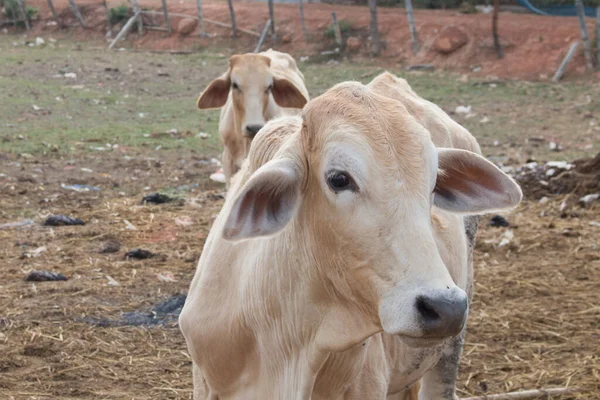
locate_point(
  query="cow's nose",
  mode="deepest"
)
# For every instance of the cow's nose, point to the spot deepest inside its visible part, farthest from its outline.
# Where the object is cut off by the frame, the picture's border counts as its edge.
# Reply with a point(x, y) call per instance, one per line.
point(444, 314)
point(252, 130)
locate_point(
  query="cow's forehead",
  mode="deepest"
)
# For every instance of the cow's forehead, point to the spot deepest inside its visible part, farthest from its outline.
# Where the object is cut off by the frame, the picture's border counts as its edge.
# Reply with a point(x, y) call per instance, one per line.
point(383, 123)
point(249, 64)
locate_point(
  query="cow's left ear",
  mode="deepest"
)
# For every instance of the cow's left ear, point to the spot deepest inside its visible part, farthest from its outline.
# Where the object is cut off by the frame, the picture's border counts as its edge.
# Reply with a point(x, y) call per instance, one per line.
point(215, 95)
point(468, 183)
point(266, 202)
point(287, 94)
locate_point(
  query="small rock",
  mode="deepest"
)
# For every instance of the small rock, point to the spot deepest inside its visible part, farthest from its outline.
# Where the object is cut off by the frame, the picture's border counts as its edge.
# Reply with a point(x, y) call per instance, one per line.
point(544, 200)
point(484, 120)
point(110, 246)
point(157, 198)
point(218, 176)
point(62, 220)
point(70, 75)
point(203, 135)
point(187, 26)
point(421, 67)
point(450, 39)
point(553, 146)
point(463, 110)
point(588, 199)
point(39, 41)
point(506, 238)
point(287, 38)
point(44, 276)
point(36, 108)
point(304, 59)
point(139, 254)
point(34, 253)
point(499, 221)
point(51, 23)
point(353, 44)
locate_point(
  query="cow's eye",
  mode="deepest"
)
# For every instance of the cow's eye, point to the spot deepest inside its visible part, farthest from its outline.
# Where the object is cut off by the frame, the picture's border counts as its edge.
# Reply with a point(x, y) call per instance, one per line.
point(269, 88)
point(235, 86)
point(339, 181)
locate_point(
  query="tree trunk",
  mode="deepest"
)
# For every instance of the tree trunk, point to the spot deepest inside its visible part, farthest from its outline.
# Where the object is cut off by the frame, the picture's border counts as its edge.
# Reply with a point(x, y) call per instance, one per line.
point(497, 44)
point(233, 24)
point(375, 44)
point(304, 32)
point(272, 17)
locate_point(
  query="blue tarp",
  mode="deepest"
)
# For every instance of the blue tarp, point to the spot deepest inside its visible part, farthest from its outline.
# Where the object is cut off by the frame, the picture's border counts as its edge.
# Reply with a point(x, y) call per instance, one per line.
point(564, 11)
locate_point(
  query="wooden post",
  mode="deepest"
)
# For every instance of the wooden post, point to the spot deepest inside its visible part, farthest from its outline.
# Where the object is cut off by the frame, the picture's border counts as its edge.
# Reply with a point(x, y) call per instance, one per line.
point(497, 44)
point(376, 45)
point(304, 32)
point(166, 14)
point(200, 17)
point(336, 29)
point(108, 24)
point(77, 13)
point(263, 36)
point(598, 38)
point(411, 23)
point(125, 29)
point(52, 10)
point(563, 65)
point(136, 10)
point(272, 18)
point(24, 13)
point(587, 48)
point(232, 14)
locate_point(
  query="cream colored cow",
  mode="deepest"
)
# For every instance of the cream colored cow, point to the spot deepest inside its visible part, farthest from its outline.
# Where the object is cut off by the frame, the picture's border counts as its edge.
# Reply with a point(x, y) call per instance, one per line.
point(339, 264)
point(255, 89)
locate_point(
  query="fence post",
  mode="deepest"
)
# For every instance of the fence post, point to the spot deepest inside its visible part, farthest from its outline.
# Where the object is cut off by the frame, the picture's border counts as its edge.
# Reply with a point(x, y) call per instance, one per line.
point(166, 14)
point(77, 13)
point(497, 44)
point(272, 18)
point(108, 24)
point(376, 46)
point(411, 23)
point(263, 36)
point(24, 13)
point(136, 10)
point(598, 38)
point(200, 17)
point(52, 10)
point(232, 14)
point(125, 29)
point(587, 49)
point(336, 29)
point(563, 65)
point(304, 33)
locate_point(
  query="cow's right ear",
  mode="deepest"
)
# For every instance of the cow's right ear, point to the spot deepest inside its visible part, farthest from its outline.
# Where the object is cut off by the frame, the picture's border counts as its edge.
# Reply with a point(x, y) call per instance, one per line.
point(267, 201)
point(215, 95)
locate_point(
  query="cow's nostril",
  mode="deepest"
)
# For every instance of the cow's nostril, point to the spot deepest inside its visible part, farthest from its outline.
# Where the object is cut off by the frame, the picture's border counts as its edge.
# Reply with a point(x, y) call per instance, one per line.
point(252, 130)
point(426, 309)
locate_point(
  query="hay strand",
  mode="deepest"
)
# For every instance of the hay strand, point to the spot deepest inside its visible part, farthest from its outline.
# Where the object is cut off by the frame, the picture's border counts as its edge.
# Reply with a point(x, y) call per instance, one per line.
point(525, 394)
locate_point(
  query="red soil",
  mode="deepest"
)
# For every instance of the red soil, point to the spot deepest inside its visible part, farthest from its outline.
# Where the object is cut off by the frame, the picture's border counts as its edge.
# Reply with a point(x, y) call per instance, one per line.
point(533, 45)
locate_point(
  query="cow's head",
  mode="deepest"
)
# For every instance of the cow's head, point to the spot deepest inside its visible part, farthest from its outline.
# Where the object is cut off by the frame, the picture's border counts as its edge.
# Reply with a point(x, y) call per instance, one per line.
point(352, 190)
point(252, 82)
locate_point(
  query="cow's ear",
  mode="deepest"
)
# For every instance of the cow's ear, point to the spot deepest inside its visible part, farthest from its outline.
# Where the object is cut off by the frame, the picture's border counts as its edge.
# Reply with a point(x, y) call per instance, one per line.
point(468, 183)
point(215, 95)
point(266, 202)
point(287, 94)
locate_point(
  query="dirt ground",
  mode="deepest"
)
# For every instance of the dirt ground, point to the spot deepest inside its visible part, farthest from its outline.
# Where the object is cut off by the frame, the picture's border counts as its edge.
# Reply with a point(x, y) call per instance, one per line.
point(534, 321)
point(534, 46)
